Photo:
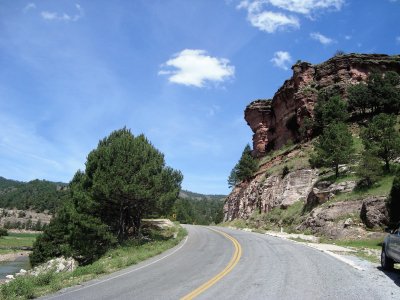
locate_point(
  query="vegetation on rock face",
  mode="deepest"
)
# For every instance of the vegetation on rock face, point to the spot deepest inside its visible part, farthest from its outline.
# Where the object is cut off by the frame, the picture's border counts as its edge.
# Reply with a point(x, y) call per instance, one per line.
point(244, 169)
point(334, 147)
point(381, 93)
point(369, 169)
point(381, 139)
point(125, 180)
point(328, 111)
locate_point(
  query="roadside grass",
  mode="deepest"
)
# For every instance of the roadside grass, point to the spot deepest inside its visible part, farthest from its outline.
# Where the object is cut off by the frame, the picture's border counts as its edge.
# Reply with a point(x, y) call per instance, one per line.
point(130, 253)
point(276, 218)
point(367, 249)
point(15, 241)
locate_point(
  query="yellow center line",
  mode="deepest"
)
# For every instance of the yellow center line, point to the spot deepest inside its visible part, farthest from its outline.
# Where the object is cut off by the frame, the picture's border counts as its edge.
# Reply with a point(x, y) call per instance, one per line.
point(232, 263)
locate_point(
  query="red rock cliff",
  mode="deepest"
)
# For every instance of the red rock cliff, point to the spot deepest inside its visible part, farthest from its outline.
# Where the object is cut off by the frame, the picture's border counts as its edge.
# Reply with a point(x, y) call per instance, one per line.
point(276, 121)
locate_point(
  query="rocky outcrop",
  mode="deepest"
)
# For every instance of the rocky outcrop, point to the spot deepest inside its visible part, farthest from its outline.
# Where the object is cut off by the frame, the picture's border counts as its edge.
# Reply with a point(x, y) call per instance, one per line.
point(323, 191)
point(347, 219)
point(264, 193)
point(275, 122)
point(374, 213)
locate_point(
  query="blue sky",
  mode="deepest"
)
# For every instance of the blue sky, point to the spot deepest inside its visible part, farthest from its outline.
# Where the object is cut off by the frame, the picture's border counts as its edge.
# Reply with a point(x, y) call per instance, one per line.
point(181, 72)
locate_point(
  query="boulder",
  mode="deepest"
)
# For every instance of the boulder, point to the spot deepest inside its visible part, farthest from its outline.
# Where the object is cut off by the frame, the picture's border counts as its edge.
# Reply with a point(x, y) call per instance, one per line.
point(374, 213)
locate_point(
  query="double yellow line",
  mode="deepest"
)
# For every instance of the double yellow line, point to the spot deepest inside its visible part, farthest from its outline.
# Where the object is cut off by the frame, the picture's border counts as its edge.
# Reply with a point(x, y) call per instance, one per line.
point(232, 263)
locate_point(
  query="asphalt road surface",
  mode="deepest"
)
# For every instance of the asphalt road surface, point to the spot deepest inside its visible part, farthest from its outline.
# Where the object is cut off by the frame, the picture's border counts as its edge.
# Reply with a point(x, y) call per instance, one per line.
point(239, 265)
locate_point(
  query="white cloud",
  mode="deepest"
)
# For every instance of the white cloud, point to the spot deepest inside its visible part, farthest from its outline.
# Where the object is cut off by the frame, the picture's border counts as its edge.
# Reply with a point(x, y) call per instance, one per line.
point(195, 67)
point(281, 59)
point(321, 38)
point(267, 20)
point(261, 15)
point(270, 21)
point(54, 16)
point(398, 39)
point(347, 37)
point(307, 6)
point(28, 7)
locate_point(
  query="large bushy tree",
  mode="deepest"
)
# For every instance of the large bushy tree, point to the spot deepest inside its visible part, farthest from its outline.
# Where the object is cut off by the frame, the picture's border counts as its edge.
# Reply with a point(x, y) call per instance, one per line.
point(244, 169)
point(381, 138)
point(125, 179)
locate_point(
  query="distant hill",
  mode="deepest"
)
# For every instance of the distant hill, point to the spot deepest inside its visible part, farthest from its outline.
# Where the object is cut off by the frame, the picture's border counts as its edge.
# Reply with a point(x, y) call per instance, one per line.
point(194, 208)
point(39, 195)
point(196, 196)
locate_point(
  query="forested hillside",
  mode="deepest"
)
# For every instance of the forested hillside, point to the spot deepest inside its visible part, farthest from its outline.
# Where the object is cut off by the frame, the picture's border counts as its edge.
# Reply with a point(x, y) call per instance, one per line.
point(39, 195)
point(193, 208)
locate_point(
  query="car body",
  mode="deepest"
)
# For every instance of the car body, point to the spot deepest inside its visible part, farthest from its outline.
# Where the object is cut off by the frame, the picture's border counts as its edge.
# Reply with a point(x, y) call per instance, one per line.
point(391, 249)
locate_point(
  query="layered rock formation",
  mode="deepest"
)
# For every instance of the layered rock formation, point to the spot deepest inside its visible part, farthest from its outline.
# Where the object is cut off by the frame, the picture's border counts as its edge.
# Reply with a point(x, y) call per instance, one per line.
point(264, 193)
point(276, 121)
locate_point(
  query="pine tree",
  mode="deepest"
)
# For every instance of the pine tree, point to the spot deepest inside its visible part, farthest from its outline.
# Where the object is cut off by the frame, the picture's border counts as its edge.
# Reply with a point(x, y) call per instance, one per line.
point(381, 139)
point(334, 146)
point(244, 169)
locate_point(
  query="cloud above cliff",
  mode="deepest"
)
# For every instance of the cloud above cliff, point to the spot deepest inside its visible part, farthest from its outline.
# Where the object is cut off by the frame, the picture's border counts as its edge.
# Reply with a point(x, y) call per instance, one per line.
point(281, 59)
point(324, 40)
point(56, 16)
point(263, 14)
point(194, 67)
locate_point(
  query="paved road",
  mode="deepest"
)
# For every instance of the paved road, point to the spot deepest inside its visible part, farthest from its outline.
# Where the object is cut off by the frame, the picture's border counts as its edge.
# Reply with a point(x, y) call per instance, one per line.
point(269, 268)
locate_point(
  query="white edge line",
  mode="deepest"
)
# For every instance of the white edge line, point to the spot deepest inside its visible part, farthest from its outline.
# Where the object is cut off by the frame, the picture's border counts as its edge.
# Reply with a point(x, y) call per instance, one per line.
point(338, 257)
point(123, 274)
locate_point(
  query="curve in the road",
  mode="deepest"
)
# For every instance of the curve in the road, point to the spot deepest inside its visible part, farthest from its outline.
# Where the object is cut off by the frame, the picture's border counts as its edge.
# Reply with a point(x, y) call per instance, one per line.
point(232, 263)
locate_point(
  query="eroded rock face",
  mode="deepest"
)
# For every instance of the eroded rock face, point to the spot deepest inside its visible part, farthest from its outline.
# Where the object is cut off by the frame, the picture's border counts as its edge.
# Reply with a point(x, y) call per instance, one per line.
point(347, 219)
point(276, 121)
point(264, 193)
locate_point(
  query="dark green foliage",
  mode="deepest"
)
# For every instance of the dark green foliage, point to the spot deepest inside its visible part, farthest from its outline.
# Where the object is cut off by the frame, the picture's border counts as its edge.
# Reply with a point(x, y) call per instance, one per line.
point(369, 169)
point(128, 179)
point(332, 110)
point(380, 94)
point(384, 89)
point(3, 232)
point(244, 169)
point(359, 98)
point(125, 179)
point(204, 211)
point(40, 195)
point(381, 139)
point(53, 242)
point(334, 147)
point(393, 203)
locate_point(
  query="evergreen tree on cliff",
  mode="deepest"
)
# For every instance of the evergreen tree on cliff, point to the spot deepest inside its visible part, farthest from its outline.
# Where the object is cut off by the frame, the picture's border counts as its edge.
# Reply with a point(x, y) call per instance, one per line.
point(333, 147)
point(381, 139)
point(125, 179)
point(244, 169)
